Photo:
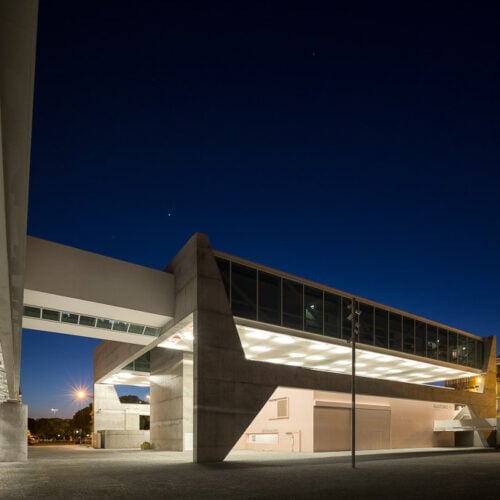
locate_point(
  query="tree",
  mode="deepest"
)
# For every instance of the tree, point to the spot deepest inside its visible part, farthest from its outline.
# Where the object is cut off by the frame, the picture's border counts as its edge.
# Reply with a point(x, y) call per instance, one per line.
point(82, 419)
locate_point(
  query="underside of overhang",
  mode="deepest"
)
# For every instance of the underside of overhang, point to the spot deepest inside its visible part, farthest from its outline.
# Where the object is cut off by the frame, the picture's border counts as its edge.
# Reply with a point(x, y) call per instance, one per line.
point(18, 23)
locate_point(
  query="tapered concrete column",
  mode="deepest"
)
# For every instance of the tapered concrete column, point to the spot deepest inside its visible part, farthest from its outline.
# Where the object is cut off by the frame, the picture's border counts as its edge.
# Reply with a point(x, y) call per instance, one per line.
point(171, 399)
point(13, 432)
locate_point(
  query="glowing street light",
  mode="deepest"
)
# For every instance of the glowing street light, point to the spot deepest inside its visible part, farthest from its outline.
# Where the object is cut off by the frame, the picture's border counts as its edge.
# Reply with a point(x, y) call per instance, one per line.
point(54, 411)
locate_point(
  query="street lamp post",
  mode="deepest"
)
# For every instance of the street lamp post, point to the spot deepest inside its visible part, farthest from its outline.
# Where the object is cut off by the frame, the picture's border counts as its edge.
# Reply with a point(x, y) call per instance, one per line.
point(353, 317)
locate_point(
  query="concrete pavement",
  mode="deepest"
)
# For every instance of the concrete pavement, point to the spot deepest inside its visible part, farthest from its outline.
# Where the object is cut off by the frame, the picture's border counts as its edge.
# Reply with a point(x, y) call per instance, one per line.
point(78, 472)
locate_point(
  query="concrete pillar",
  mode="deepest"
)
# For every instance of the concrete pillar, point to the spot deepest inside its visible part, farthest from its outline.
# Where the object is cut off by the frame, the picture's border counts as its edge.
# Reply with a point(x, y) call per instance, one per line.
point(13, 432)
point(171, 399)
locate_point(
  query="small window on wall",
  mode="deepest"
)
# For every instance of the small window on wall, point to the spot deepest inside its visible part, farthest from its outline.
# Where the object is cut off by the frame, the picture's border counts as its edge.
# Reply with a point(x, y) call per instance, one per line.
point(281, 408)
point(263, 438)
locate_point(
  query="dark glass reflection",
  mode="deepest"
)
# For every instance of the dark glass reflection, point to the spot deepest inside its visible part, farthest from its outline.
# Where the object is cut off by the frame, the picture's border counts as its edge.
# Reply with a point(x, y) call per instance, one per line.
point(431, 341)
point(269, 298)
point(408, 335)
point(224, 269)
point(442, 342)
point(381, 328)
point(244, 291)
point(50, 314)
point(420, 338)
point(462, 349)
point(32, 312)
point(313, 310)
point(292, 304)
point(452, 347)
point(332, 315)
point(366, 334)
point(395, 331)
point(471, 352)
point(67, 317)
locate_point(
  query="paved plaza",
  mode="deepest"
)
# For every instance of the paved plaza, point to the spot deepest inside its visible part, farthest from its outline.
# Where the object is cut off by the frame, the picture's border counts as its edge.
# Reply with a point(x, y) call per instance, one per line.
point(80, 472)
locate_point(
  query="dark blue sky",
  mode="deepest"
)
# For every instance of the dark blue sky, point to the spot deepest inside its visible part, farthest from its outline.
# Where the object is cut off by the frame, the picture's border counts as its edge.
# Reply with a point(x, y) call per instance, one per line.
point(354, 144)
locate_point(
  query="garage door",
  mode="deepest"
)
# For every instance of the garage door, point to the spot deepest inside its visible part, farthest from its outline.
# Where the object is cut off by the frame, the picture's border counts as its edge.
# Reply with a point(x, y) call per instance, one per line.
point(332, 428)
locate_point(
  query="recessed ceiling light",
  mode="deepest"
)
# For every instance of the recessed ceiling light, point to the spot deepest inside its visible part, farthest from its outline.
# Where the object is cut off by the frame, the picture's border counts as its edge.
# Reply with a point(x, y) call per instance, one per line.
point(294, 363)
point(260, 348)
point(315, 357)
point(319, 346)
point(342, 362)
point(296, 355)
point(283, 339)
point(257, 334)
point(369, 355)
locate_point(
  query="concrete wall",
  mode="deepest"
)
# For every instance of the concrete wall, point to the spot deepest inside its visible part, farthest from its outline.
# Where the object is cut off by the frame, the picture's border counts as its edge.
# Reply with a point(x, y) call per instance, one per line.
point(110, 357)
point(295, 432)
point(120, 439)
point(386, 422)
point(171, 400)
point(111, 414)
point(13, 432)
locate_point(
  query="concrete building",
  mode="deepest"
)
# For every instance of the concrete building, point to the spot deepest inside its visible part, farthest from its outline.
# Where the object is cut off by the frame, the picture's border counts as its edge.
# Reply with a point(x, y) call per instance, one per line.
point(234, 353)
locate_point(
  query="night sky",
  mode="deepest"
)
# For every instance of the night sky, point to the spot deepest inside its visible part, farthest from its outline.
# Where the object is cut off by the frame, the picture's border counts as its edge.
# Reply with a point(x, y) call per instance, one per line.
point(355, 144)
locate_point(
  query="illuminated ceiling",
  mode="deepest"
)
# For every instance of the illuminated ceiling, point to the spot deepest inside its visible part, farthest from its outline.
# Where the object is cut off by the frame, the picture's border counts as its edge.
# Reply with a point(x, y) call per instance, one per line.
point(279, 348)
point(329, 355)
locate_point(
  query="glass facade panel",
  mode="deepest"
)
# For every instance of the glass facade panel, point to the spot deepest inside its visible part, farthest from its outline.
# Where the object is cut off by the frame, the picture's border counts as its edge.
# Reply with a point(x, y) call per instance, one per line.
point(135, 329)
point(87, 321)
point(408, 335)
point(224, 269)
point(420, 338)
point(293, 296)
point(120, 326)
point(32, 312)
point(395, 331)
point(313, 310)
point(149, 330)
point(332, 315)
point(381, 328)
point(346, 324)
point(366, 333)
point(471, 352)
point(105, 324)
point(462, 349)
point(452, 347)
point(50, 314)
point(143, 364)
point(244, 291)
point(442, 344)
point(479, 354)
point(67, 317)
point(269, 298)
point(431, 341)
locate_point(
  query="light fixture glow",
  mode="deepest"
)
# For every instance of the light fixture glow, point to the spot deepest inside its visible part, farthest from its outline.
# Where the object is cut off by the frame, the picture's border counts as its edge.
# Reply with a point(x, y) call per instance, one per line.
point(315, 357)
point(257, 334)
point(260, 348)
point(283, 339)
